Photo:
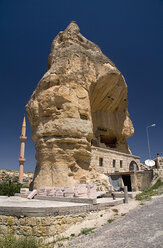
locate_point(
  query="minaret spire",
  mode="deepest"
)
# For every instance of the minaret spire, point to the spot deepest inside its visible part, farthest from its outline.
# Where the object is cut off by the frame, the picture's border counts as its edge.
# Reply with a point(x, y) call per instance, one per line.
point(22, 150)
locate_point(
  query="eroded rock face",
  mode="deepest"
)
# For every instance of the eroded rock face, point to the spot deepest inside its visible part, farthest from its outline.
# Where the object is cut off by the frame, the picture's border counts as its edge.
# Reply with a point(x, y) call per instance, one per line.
point(81, 99)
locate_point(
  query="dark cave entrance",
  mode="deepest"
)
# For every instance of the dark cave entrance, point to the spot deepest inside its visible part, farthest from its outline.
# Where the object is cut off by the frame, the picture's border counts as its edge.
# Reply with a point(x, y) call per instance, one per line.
point(127, 181)
point(110, 142)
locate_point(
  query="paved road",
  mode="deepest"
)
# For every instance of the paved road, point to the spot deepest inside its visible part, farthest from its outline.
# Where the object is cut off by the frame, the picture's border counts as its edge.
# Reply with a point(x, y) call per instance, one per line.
point(141, 228)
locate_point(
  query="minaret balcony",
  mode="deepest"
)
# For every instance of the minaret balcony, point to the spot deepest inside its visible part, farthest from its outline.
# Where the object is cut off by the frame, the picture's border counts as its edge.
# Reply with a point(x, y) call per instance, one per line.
point(21, 160)
point(23, 138)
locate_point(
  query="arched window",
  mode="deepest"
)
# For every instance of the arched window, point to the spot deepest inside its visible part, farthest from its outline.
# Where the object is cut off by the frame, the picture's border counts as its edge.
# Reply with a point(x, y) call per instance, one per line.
point(133, 166)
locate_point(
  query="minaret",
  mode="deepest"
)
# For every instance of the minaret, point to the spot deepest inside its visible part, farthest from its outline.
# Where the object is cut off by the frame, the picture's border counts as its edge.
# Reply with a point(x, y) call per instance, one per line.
point(22, 149)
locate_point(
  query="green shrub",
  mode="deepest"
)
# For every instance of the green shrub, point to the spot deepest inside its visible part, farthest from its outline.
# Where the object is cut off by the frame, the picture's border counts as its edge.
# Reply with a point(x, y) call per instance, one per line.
point(9, 188)
point(156, 189)
point(110, 220)
point(157, 185)
point(9, 241)
point(28, 243)
point(85, 231)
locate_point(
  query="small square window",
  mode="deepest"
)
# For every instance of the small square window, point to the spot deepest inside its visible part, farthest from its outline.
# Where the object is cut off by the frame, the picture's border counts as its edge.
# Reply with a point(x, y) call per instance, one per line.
point(114, 162)
point(100, 161)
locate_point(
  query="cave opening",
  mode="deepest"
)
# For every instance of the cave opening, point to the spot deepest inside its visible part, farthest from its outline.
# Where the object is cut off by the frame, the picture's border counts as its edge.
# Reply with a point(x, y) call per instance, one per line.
point(110, 142)
point(104, 113)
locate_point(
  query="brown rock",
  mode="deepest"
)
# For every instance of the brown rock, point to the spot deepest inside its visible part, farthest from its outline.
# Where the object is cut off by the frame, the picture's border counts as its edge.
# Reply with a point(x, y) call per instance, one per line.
point(82, 98)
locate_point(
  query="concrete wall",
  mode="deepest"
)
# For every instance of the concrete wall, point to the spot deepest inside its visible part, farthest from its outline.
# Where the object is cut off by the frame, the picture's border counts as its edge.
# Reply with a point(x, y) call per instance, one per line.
point(108, 156)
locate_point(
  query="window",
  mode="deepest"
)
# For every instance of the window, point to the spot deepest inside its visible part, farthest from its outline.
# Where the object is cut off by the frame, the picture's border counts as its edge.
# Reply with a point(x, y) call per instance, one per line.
point(100, 161)
point(133, 166)
point(121, 163)
point(114, 162)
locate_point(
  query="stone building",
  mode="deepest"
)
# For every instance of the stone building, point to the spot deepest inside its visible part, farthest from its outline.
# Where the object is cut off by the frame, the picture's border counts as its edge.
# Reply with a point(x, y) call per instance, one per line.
point(109, 161)
point(121, 168)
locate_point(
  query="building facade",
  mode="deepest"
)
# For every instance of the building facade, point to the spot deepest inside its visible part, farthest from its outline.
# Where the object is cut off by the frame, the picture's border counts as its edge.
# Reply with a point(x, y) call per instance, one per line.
point(108, 161)
point(121, 169)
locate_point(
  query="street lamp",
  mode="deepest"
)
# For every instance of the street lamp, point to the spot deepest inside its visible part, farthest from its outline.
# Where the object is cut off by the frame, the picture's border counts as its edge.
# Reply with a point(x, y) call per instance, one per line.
point(153, 125)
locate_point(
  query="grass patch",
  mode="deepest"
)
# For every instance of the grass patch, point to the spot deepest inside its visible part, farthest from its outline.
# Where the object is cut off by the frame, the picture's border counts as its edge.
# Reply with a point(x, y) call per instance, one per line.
point(110, 220)
point(85, 231)
point(9, 241)
point(61, 239)
point(123, 214)
point(156, 189)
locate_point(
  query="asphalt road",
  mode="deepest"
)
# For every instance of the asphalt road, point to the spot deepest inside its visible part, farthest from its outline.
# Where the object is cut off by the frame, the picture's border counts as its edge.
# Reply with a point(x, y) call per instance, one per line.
point(140, 228)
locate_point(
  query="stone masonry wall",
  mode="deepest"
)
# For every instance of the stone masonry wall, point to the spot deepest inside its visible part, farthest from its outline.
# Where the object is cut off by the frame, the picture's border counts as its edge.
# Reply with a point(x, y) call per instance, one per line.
point(108, 156)
point(144, 179)
point(159, 166)
point(42, 228)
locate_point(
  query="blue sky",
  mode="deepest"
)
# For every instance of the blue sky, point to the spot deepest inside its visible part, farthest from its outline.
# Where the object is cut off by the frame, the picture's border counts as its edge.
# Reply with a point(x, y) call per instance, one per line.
point(129, 32)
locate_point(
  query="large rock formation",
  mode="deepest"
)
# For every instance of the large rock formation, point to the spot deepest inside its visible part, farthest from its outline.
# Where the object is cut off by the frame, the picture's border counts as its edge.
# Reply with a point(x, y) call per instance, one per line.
point(82, 98)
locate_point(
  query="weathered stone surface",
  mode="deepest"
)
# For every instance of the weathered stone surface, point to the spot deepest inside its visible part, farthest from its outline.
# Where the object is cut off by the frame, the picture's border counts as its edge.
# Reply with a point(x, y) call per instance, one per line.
point(81, 99)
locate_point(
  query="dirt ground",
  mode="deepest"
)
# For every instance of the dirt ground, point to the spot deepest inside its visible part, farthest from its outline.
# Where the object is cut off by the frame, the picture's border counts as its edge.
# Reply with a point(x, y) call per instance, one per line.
point(98, 221)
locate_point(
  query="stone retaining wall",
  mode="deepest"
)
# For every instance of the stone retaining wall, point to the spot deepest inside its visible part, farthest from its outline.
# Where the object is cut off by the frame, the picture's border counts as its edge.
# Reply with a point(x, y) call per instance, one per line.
point(49, 227)
point(43, 228)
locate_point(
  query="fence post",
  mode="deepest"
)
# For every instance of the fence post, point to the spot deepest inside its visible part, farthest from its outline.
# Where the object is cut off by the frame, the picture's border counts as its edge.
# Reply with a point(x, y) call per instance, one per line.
point(125, 194)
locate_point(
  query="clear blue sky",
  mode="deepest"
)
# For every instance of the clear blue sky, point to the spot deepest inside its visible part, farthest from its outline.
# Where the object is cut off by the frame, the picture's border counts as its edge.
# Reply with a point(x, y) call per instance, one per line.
point(129, 32)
